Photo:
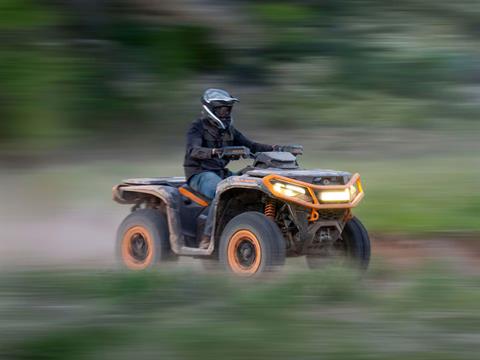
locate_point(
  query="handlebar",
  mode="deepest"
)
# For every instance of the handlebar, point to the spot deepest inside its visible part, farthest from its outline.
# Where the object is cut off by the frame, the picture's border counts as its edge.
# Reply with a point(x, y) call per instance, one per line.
point(237, 152)
point(293, 149)
point(234, 152)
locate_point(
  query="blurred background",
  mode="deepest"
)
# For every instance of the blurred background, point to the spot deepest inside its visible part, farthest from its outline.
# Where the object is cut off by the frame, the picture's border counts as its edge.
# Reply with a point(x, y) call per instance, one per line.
point(95, 91)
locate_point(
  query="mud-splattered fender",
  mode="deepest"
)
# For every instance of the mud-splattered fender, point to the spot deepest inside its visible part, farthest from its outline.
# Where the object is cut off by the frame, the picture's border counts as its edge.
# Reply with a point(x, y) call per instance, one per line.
point(171, 198)
point(231, 183)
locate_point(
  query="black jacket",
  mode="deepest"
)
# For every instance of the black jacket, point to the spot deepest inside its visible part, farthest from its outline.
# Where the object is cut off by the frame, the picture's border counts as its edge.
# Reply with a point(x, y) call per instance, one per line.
point(202, 137)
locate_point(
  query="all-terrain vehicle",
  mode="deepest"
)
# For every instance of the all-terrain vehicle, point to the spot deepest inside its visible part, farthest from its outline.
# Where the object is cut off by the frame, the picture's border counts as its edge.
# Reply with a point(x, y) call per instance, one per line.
point(268, 211)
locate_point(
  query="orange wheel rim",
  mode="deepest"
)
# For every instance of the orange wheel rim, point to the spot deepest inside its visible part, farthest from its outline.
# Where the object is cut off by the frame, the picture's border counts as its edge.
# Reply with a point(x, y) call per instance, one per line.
point(137, 248)
point(244, 253)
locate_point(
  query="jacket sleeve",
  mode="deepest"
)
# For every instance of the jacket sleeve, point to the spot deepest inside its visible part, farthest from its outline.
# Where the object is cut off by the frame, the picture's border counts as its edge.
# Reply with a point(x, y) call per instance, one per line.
point(194, 144)
point(242, 140)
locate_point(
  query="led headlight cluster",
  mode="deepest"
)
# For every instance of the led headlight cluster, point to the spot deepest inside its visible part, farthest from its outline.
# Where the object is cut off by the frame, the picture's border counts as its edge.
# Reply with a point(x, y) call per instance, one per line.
point(316, 196)
point(290, 190)
point(345, 195)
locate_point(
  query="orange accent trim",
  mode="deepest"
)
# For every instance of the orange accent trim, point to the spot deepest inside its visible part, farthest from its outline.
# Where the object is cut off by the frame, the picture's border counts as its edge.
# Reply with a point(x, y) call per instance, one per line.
point(192, 197)
point(233, 261)
point(267, 181)
point(127, 257)
point(348, 215)
point(314, 215)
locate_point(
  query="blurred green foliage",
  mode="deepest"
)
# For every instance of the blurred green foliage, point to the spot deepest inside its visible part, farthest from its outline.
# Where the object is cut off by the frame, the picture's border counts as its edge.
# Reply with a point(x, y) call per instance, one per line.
point(282, 13)
point(59, 79)
point(86, 68)
point(25, 15)
point(431, 314)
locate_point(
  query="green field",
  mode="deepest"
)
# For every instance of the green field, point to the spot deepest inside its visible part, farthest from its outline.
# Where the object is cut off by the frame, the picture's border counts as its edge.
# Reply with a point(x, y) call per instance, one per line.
point(431, 314)
point(93, 92)
point(426, 195)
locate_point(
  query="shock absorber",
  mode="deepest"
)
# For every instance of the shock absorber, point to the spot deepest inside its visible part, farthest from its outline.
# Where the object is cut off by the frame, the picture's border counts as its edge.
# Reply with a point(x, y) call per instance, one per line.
point(270, 209)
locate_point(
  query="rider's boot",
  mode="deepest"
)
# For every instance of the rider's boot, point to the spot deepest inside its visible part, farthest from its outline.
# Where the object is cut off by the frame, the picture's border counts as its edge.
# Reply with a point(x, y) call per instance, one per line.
point(204, 242)
point(207, 231)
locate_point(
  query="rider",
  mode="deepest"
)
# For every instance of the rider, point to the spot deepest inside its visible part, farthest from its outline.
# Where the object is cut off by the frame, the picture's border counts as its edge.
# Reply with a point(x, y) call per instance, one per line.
point(204, 166)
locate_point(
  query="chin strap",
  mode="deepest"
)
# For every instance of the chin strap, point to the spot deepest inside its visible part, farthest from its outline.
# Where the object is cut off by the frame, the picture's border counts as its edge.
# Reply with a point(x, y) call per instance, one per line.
point(212, 115)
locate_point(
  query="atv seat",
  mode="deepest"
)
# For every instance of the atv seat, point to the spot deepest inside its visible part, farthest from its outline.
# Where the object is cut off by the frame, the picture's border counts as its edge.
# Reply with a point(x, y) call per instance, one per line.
point(174, 181)
point(193, 195)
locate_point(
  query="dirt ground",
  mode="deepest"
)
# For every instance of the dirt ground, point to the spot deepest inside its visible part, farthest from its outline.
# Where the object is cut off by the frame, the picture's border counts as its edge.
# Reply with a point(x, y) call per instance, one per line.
point(87, 241)
point(402, 251)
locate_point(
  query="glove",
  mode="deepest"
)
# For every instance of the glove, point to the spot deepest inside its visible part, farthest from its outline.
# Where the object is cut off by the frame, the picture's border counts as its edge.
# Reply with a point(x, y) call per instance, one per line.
point(247, 153)
point(281, 148)
point(218, 152)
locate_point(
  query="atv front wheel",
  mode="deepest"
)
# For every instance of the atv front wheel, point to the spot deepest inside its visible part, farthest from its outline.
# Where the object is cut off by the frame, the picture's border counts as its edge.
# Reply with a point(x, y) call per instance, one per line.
point(251, 244)
point(353, 247)
point(143, 240)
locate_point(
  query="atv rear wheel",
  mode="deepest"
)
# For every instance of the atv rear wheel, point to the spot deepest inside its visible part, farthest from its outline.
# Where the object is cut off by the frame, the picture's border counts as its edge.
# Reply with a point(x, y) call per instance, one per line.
point(353, 248)
point(251, 244)
point(143, 240)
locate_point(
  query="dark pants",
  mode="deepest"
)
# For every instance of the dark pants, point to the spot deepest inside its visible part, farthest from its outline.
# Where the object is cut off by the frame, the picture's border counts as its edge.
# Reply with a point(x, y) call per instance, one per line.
point(206, 184)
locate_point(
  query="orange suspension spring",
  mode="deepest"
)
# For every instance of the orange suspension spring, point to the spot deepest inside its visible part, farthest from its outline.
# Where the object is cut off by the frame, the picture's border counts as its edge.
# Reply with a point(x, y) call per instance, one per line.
point(270, 210)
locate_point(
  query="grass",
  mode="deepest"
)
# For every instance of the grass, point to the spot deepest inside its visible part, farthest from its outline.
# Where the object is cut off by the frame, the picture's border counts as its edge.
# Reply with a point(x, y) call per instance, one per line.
point(180, 315)
point(422, 195)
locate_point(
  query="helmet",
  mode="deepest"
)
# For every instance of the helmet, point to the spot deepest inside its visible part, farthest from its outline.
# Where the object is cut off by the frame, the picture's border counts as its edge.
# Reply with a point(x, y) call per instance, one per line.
point(217, 104)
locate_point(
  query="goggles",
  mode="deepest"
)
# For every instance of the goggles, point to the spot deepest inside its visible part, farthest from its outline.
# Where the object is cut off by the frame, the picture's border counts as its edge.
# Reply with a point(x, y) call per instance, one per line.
point(222, 111)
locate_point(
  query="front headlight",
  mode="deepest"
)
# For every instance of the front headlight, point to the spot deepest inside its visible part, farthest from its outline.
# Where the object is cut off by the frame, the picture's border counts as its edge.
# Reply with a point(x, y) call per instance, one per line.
point(340, 196)
point(335, 196)
point(290, 190)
